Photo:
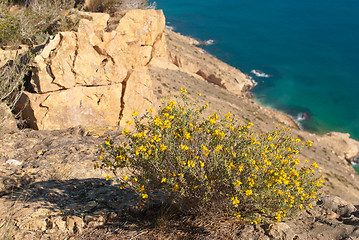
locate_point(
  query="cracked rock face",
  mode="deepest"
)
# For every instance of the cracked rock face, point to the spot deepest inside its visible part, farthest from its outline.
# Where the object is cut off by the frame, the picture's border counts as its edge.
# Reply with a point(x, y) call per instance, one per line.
point(93, 76)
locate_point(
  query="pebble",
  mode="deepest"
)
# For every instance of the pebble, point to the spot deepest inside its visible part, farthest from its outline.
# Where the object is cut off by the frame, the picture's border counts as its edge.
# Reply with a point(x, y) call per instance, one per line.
point(13, 162)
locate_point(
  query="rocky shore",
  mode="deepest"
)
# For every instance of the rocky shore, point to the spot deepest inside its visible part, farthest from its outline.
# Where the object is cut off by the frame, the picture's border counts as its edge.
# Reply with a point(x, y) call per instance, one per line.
point(83, 88)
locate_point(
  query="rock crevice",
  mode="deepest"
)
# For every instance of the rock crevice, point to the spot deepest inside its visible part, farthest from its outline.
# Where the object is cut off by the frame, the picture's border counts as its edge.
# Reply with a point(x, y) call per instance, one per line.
point(82, 78)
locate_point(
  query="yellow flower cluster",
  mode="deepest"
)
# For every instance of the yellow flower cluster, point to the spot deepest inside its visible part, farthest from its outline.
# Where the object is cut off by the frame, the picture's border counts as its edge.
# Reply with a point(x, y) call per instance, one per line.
point(202, 160)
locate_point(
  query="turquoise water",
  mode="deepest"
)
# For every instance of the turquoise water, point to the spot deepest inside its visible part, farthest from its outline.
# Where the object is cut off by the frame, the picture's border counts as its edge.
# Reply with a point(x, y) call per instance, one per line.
point(310, 49)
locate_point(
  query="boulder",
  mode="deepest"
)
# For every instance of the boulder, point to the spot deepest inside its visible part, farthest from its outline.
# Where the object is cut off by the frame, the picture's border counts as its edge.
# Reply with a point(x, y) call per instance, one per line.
point(7, 120)
point(95, 76)
point(338, 205)
point(342, 144)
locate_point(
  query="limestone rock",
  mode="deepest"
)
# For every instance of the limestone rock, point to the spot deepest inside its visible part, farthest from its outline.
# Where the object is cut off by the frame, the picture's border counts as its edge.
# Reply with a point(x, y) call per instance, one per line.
point(280, 231)
point(7, 120)
point(342, 144)
point(75, 224)
point(338, 205)
point(81, 78)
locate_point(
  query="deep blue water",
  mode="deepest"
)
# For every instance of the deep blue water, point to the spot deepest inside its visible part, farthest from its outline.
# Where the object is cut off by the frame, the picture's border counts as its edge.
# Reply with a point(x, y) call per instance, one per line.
point(311, 49)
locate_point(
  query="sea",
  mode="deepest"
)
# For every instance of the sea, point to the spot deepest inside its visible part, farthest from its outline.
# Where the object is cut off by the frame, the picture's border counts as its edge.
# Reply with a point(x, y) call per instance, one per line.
point(304, 55)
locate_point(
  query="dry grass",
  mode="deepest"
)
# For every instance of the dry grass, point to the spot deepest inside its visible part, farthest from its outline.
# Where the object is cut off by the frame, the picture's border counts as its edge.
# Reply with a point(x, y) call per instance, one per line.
point(164, 223)
point(34, 21)
point(7, 223)
point(12, 78)
point(111, 6)
point(7, 228)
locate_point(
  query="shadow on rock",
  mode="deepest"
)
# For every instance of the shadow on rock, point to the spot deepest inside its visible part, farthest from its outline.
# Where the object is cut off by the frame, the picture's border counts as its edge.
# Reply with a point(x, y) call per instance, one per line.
point(91, 207)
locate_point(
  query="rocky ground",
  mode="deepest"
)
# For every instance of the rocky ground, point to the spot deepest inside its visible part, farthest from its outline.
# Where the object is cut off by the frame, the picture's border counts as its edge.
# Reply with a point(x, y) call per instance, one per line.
point(50, 190)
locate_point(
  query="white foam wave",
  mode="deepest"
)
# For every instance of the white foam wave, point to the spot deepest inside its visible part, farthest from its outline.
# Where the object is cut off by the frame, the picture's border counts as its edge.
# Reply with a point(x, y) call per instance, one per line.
point(170, 27)
point(259, 73)
point(355, 161)
point(302, 116)
point(209, 42)
point(205, 43)
point(253, 81)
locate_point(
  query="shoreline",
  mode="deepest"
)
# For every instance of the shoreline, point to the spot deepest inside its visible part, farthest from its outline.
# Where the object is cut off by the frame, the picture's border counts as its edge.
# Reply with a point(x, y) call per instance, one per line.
point(281, 116)
point(247, 94)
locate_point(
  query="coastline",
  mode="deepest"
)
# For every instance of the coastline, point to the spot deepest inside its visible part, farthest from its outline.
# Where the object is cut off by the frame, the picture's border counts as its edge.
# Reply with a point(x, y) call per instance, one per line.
point(185, 61)
point(281, 116)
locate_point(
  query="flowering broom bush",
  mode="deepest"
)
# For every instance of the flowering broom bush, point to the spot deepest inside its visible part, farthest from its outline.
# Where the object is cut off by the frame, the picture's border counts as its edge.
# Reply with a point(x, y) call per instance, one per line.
point(213, 164)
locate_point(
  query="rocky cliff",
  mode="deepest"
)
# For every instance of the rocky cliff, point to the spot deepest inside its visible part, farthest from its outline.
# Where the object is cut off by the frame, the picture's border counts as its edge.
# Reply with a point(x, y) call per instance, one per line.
point(99, 74)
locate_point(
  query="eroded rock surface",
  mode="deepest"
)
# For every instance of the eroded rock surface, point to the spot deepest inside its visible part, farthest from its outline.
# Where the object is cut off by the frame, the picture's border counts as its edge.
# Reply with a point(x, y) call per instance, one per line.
point(95, 76)
point(342, 144)
point(184, 55)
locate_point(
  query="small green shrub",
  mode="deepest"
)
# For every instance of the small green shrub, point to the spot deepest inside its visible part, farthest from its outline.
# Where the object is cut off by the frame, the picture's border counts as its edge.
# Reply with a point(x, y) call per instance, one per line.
point(111, 6)
point(9, 25)
point(212, 164)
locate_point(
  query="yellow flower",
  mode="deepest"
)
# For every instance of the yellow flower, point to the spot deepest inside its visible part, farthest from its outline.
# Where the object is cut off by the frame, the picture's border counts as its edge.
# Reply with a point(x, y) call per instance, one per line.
point(144, 195)
point(134, 180)
point(238, 183)
point(187, 135)
point(163, 147)
point(122, 187)
point(190, 163)
point(183, 90)
point(135, 113)
point(163, 180)
point(278, 217)
point(315, 165)
point(235, 201)
point(231, 165)
point(175, 188)
point(184, 147)
point(249, 192)
point(125, 132)
point(240, 167)
point(199, 94)
point(201, 163)
point(128, 122)
point(237, 215)
point(310, 143)
point(107, 177)
point(125, 178)
point(141, 188)
point(218, 148)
